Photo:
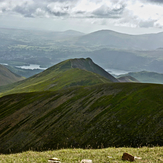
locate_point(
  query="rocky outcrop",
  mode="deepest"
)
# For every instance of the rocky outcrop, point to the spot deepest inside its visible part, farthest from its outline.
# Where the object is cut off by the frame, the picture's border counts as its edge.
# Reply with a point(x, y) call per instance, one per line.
point(89, 65)
point(127, 157)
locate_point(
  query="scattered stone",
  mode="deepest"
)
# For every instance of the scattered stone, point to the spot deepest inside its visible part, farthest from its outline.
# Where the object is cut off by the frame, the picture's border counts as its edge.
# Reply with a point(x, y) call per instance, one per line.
point(110, 157)
point(137, 158)
point(86, 161)
point(127, 157)
point(54, 160)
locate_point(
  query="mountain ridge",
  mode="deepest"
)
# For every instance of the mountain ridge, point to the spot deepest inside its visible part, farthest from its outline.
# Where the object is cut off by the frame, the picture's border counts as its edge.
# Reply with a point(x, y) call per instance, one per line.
point(68, 73)
point(121, 40)
point(91, 66)
point(146, 77)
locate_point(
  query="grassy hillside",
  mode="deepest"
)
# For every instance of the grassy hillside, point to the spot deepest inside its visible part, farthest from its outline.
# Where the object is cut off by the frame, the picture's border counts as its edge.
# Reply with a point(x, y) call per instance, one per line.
point(115, 114)
point(150, 155)
point(72, 105)
point(7, 77)
point(66, 74)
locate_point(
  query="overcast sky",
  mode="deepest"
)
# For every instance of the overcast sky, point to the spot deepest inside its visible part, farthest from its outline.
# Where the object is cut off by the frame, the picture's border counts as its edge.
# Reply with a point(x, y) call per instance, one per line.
point(127, 16)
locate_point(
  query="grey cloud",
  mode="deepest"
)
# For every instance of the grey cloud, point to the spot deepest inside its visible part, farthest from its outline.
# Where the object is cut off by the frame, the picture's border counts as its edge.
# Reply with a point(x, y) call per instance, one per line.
point(54, 0)
point(147, 24)
point(80, 12)
point(117, 12)
point(26, 11)
point(106, 12)
point(25, 8)
point(156, 1)
point(58, 13)
point(60, 8)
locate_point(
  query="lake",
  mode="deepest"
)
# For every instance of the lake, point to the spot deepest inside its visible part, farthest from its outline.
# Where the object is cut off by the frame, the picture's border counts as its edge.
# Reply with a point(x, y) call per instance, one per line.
point(31, 67)
point(116, 71)
point(111, 71)
point(3, 64)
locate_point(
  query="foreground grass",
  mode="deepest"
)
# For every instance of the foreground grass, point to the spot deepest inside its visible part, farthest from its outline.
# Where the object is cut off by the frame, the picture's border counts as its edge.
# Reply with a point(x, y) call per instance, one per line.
point(150, 155)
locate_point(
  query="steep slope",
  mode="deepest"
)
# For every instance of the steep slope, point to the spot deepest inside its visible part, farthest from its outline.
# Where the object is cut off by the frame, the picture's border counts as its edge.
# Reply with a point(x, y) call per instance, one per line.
point(89, 65)
point(7, 77)
point(73, 72)
point(115, 114)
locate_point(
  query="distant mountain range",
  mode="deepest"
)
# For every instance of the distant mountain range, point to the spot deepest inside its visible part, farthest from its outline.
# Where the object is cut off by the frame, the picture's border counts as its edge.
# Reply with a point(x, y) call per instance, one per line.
point(75, 103)
point(107, 48)
point(145, 77)
point(107, 38)
point(127, 78)
point(101, 38)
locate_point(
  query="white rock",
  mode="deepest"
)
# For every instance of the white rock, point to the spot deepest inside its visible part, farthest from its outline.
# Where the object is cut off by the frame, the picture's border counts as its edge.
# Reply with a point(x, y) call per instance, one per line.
point(110, 157)
point(138, 158)
point(86, 161)
point(54, 160)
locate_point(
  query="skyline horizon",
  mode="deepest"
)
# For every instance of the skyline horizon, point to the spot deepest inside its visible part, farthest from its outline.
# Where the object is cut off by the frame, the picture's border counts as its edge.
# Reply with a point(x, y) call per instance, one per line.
point(71, 29)
point(129, 16)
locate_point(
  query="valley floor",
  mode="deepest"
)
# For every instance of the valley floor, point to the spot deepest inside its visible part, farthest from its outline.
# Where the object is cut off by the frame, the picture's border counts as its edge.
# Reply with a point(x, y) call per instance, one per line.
point(148, 154)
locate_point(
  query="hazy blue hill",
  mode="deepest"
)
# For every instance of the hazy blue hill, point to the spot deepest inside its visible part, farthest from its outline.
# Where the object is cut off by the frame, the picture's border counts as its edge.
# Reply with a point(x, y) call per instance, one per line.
point(108, 49)
point(11, 37)
point(147, 77)
point(122, 41)
point(102, 38)
point(127, 79)
point(114, 114)
point(7, 77)
point(73, 32)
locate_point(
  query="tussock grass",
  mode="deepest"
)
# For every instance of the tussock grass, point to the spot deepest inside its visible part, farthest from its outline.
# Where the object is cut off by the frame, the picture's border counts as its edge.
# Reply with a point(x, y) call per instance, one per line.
point(149, 155)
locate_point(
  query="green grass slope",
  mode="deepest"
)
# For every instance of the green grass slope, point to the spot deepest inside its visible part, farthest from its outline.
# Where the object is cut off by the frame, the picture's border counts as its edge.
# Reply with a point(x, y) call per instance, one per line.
point(7, 77)
point(114, 114)
point(62, 75)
